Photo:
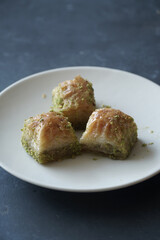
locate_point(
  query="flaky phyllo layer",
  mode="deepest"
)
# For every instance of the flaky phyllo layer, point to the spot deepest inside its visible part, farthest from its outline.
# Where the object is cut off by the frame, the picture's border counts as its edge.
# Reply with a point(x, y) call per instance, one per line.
point(49, 137)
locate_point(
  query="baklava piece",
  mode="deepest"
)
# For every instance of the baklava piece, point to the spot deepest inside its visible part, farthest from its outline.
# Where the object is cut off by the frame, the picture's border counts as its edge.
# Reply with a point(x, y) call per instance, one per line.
point(111, 132)
point(49, 137)
point(75, 100)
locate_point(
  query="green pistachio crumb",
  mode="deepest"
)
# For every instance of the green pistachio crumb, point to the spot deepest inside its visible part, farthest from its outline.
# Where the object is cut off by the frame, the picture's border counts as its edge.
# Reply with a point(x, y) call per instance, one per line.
point(106, 106)
point(144, 145)
point(150, 143)
point(89, 86)
point(59, 101)
point(68, 125)
point(152, 131)
point(94, 159)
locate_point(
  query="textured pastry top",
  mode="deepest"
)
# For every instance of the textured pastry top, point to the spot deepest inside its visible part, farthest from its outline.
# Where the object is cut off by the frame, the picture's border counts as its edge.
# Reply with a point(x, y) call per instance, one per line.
point(73, 93)
point(110, 124)
point(47, 131)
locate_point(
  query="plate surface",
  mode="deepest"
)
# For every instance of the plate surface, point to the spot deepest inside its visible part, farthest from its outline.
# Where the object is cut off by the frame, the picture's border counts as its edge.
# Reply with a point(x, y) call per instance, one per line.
point(130, 93)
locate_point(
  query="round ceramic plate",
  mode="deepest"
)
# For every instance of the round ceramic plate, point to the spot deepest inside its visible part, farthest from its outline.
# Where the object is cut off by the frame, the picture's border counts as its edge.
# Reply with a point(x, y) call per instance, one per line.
point(130, 93)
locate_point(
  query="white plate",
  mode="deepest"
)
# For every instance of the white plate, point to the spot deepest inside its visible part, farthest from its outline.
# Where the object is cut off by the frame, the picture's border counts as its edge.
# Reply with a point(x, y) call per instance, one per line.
point(130, 93)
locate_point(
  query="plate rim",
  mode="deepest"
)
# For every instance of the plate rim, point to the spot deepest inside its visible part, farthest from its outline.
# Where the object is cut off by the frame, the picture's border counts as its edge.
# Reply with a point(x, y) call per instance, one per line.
point(85, 190)
point(70, 68)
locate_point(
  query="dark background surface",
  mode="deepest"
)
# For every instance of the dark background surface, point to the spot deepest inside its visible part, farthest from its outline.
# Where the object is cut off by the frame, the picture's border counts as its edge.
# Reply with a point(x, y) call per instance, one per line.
point(41, 35)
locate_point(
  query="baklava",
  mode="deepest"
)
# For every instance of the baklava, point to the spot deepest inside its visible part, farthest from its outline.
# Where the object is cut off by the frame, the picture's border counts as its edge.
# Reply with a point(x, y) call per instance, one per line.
point(49, 137)
point(75, 100)
point(111, 132)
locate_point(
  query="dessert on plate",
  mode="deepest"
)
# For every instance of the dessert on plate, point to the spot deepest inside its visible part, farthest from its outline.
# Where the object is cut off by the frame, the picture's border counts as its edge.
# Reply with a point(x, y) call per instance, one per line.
point(75, 100)
point(49, 137)
point(111, 132)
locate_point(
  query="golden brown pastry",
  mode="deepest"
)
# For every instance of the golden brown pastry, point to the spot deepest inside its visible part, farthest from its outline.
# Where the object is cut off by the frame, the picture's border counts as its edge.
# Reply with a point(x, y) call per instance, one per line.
point(111, 132)
point(49, 137)
point(75, 100)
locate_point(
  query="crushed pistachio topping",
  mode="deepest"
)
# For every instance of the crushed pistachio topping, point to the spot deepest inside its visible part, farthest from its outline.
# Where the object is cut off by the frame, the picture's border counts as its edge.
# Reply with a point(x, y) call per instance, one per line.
point(144, 145)
point(106, 106)
point(68, 125)
point(59, 101)
point(44, 95)
point(89, 86)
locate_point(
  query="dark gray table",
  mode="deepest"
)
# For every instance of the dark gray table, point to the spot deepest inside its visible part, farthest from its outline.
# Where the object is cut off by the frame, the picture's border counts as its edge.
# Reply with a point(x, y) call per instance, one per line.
point(40, 35)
